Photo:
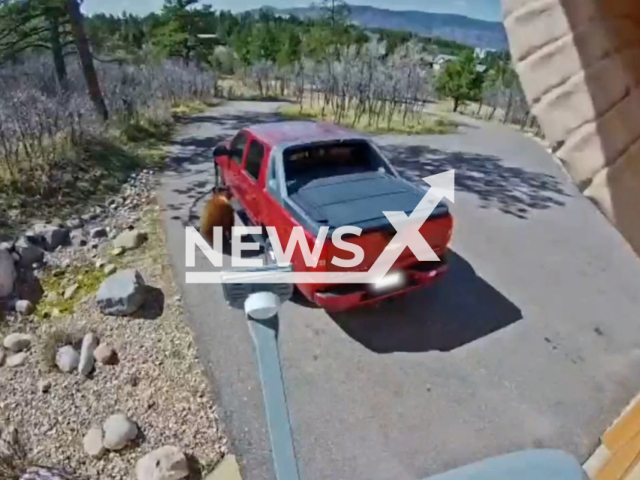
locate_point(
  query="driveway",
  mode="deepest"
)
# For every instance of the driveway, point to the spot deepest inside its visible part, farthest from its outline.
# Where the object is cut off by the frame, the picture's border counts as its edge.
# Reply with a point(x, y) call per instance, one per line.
point(531, 340)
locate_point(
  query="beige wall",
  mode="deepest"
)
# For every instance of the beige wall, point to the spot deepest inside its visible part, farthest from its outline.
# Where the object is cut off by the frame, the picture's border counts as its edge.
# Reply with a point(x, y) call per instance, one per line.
point(579, 63)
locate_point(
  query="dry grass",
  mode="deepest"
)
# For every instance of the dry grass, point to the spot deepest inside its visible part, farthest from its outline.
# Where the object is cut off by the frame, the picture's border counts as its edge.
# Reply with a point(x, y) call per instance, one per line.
point(418, 124)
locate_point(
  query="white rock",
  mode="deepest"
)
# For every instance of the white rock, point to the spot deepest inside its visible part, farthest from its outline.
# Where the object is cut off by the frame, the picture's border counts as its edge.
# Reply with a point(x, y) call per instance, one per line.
point(24, 307)
point(93, 442)
point(118, 431)
point(105, 354)
point(67, 359)
point(116, 252)
point(129, 240)
point(71, 291)
point(16, 359)
point(17, 342)
point(89, 344)
point(100, 263)
point(8, 273)
point(110, 269)
point(164, 463)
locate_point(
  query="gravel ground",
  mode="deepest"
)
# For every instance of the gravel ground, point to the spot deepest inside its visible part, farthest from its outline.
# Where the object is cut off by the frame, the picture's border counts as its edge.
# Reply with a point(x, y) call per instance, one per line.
point(157, 382)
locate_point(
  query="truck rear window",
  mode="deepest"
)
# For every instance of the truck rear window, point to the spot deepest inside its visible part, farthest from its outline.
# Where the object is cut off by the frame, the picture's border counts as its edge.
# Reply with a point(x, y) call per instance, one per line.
point(332, 159)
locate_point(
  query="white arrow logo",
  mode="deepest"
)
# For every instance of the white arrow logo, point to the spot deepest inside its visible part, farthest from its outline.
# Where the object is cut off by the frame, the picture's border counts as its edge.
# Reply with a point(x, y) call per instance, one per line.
point(408, 228)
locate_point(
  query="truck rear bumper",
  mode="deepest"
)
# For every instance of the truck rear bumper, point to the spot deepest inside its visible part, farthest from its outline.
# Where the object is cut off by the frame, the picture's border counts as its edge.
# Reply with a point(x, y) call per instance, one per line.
point(346, 297)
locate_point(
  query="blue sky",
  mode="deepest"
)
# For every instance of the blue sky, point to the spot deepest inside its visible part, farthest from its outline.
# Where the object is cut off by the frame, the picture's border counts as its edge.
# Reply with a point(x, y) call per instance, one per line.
point(484, 9)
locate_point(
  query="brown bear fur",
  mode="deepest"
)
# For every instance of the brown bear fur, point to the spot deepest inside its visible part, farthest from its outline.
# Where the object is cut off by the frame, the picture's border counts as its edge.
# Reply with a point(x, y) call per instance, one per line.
point(218, 212)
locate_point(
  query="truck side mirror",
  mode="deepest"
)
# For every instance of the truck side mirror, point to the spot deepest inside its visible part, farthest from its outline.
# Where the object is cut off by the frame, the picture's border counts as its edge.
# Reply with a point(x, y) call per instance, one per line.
point(220, 151)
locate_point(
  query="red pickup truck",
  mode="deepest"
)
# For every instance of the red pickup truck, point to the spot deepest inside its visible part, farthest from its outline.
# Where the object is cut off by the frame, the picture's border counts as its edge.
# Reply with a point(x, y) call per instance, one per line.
point(314, 175)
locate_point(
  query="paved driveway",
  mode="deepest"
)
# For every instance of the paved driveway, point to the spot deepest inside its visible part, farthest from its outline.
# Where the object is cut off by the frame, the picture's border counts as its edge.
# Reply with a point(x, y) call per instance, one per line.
point(530, 341)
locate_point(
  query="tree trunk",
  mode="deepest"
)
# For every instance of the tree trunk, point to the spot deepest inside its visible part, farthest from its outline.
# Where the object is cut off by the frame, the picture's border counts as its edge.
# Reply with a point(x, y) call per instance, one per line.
point(456, 104)
point(86, 59)
point(507, 112)
point(57, 53)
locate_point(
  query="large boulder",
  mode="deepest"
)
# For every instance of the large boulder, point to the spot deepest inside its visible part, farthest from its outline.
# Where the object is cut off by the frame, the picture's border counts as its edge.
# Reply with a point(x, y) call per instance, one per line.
point(8, 273)
point(29, 251)
point(164, 463)
point(121, 294)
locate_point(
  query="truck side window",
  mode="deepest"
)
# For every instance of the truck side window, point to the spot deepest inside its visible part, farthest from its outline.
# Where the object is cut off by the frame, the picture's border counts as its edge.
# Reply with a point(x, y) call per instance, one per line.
point(254, 159)
point(238, 144)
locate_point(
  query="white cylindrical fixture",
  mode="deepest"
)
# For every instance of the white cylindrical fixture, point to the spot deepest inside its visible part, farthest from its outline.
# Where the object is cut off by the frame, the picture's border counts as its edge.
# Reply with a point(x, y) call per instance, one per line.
point(262, 305)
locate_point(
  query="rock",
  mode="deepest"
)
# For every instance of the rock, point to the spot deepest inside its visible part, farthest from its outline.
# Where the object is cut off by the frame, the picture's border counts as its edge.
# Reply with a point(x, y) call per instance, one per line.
point(78, 238)
point(116, 252)
point(44, 386)
point(118, 431)
point(17, 342)
point(8, 273)
point(110, 269)
point(227, 469)
point(52, 296)
point(122, 293)
point(70, 291)
point(164, 463)
point(67, 359)
point(105, 354)
point(130, 239)
point(90, 217)
point(3, 355)
point(93, 443)
point(100, 263)
point(99, 232)
point(24, 307)
point(89, 344)
point(29, 252)
point(54, 235)
point(17, 359)
point(75, 223)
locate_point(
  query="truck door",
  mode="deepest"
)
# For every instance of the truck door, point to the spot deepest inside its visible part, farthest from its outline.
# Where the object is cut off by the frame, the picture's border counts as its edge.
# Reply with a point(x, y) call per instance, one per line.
point(252, 180)
point(237, 150)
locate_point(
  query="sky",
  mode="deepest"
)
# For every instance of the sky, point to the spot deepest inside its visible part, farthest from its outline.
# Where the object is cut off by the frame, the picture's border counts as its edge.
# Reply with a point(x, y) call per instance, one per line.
point(483, 9)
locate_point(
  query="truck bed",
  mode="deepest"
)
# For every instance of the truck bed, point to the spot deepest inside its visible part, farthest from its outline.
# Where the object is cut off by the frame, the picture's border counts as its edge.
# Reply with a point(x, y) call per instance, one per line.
point(356, 199)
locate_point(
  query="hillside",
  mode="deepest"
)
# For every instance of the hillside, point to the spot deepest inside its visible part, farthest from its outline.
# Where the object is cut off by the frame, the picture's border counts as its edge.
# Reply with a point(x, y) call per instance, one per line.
point(466, 30)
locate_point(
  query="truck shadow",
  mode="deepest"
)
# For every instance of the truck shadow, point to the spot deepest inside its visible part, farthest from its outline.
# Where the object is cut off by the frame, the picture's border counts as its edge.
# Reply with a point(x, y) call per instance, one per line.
point(458, 309)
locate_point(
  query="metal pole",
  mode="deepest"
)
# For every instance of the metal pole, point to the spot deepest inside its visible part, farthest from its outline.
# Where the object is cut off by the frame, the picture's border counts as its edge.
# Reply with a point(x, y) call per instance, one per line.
point(265, 339)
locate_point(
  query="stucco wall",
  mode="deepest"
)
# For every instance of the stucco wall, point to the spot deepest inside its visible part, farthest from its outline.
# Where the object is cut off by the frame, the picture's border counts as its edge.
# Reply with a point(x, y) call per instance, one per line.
point(579, 63)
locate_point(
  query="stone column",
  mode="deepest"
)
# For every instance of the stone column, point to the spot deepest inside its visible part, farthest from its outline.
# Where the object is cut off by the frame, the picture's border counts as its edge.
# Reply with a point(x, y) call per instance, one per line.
point(579, 64)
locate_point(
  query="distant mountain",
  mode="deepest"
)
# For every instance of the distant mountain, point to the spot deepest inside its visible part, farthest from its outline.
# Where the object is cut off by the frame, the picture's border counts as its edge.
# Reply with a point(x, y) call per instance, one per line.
point(466, 30)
